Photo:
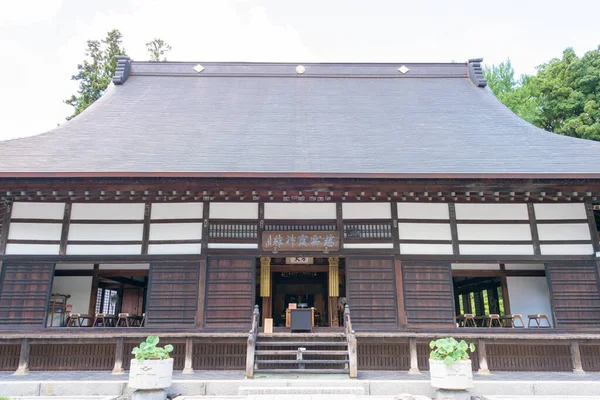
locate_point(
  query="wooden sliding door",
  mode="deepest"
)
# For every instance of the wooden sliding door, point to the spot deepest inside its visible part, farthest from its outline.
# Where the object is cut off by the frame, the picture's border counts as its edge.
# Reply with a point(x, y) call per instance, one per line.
point(24, 293)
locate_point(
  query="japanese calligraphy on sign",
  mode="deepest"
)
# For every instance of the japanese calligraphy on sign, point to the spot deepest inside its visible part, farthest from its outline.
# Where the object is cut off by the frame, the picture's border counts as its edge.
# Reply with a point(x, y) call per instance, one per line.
point(300, 241)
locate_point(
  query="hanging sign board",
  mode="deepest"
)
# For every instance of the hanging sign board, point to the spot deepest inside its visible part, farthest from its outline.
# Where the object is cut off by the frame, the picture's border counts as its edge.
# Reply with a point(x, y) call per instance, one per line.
point(299, 260)
point(276, 241)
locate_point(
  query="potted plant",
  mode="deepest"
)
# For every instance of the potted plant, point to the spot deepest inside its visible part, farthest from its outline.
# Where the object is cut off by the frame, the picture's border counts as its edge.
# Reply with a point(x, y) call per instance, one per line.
point(152, 367)
point(449, 364)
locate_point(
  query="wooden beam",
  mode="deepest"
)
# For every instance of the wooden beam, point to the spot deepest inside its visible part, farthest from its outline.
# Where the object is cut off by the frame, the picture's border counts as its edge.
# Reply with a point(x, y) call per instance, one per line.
point(64, 234)
point(402, 320)
point(94, 294)
point(589, 209)
point(534, 230)
point(205, 226)
point(201, 294)
point(453, 229)
point(5, 226)
point(146, 230)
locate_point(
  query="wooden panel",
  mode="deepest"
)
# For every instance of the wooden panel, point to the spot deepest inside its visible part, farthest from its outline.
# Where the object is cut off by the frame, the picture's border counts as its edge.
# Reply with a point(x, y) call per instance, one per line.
point(575, 294)
point(72, 357)
point(24, 294)
point(229, 293)
point(219, 356)
point(383, 356)
point(528, 357)
point(132, 301)
point(178, 353)
point(9, 357)
point(428, 295)
point(590, 357)
point(371, 292)
point(173, 295)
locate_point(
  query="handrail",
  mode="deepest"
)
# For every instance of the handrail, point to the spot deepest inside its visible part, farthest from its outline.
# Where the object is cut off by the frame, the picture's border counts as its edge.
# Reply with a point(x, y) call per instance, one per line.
point(251, 347)
point(351, 339)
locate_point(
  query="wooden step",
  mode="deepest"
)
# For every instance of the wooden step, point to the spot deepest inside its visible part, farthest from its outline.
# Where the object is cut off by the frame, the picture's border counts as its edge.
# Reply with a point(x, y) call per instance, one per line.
point(306, 352)
point(275, 362)
point(301, 344)
point(340, 371)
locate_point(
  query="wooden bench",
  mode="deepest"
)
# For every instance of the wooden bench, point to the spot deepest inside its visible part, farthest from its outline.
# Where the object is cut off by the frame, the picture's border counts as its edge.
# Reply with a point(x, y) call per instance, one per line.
point(509, 320)
point(538, 318)
point(465, 320)
point(76, 319)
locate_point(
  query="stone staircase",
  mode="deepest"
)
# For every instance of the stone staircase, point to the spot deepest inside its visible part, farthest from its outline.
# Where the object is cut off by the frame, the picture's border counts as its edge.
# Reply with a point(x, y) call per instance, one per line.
point(301, 354)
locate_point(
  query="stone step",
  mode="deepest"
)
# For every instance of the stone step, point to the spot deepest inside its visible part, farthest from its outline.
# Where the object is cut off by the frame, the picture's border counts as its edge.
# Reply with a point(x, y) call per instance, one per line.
point(306, 352)
point(315, 371)
point(300, 390)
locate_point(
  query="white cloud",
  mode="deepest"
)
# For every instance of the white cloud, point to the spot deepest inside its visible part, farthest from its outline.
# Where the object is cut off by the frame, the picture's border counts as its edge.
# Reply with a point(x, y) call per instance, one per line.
point(24, 13)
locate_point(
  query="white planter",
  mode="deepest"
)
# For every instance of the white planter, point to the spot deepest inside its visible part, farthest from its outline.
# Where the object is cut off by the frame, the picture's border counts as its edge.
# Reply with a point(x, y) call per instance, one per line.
point(150, 374)
point(456, 376)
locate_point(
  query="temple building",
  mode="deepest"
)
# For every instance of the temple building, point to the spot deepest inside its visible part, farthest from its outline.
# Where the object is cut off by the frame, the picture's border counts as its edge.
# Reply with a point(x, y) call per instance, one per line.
point(190, 193)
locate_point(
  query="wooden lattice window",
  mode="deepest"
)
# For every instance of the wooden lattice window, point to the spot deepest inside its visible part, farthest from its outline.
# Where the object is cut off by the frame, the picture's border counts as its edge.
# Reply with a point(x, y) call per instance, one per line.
point(299, 227)
point(376, 230)
point(222, 230)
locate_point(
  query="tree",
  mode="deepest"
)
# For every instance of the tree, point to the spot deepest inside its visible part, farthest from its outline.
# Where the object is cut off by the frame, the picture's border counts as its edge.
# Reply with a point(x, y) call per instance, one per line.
point(96, 71)
point(563, 97)
point(157, 48)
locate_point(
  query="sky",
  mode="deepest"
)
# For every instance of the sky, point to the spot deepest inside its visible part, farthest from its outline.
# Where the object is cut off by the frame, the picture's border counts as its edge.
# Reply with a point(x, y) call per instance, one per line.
point(42, 41)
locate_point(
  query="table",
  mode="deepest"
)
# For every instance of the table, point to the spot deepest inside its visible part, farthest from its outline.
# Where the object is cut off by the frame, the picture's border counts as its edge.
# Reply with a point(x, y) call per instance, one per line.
point(77, 319)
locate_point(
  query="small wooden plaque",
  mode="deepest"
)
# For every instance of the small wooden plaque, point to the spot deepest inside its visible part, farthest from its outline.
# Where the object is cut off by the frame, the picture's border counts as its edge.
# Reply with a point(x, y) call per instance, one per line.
point(268, 325)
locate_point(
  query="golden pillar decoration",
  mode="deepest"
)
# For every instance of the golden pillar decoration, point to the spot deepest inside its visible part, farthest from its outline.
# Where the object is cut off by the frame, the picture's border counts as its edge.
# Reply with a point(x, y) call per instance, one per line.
point(265, 277)
point(334, 277)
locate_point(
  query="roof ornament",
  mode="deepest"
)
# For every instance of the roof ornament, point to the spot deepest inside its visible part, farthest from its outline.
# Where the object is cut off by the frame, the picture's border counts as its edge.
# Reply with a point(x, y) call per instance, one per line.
point(122, 71)
point(403, 69)
point(199, 68)
point(300, 69)
point(476, 72)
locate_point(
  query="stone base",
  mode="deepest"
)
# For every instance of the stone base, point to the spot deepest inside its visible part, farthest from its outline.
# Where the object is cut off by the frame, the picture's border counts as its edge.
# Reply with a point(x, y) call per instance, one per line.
point(445, 394)
point(153, 394)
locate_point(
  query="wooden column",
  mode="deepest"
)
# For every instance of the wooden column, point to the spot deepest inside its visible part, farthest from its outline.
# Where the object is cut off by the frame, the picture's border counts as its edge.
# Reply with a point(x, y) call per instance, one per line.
point(201, 294)
point(414, 361)
point(265, 288)
point(118, 368)
point(576, 358)
point(23, 368)
point(205, 226)
point(146, 229)
point(453, 229)
point(334, 290)
point(64, 234)
point(189, 351)
point(402, 320)
point(5, 227)
point(483, 365)
point(94, 294)
point(534, 230)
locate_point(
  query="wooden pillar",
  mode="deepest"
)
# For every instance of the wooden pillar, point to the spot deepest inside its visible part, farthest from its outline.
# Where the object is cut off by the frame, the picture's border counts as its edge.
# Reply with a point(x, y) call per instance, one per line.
point(23, 368)
point(146, 229)
point(94, 294)
point(64, 235)
point(189, 352)
point(265, 288)
point(201, 294)
point(576, 358)
point(334, 290)
point(118, 368)
point(414, 361)
point(402, 319)
point(483, 365)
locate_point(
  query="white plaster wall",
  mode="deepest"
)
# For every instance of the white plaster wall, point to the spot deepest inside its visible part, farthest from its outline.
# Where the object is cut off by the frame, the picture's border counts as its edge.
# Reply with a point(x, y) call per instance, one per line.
point(299, 211)
point(92, 249)
point(492, 211)
point(564, 232)
point(529, 295)
point(80, 289)
point(425, 231)
point(233, 210)
point(566, 249)
point(181, 231)
point(525, 267)
point(494, 232)
point(368, 245)
point(183, 248)
point(233, 246)
point(423, 211)
point(27, 231)
point(416, 248)
point(124, 266)
point(483, 249)
point(176, 211)
point(366, 211)
point(108, 211)
point(32, 249)
point(106, 232)
point(38, 210)
point(487, 267)
point(560, 211)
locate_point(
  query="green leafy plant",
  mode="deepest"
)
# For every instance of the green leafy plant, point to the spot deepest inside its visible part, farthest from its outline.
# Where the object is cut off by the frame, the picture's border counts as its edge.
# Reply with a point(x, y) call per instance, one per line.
point(450, 350)
point(148, 350)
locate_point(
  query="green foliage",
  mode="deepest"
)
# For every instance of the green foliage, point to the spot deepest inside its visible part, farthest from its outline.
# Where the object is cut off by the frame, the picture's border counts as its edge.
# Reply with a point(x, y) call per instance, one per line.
point(149, 350)
point(563, 97)
point(157, 48)
point(450, 350)
point(96, 71)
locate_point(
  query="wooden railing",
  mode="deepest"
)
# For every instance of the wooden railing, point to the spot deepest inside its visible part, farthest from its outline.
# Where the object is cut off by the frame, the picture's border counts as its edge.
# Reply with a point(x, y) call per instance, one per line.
point(251, 347)
point(352, 347)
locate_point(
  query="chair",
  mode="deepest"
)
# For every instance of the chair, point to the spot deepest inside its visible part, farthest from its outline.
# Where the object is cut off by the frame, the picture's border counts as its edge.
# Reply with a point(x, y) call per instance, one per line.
point(509, 320)
point(538, 318)
point(491, 318)
point(465, 320)
point(73, 319)
point(123, 317)
point(104, 319)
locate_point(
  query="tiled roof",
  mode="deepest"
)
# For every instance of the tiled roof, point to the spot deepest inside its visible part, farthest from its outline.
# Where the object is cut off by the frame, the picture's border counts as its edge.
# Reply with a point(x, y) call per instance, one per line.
point(322, 119)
